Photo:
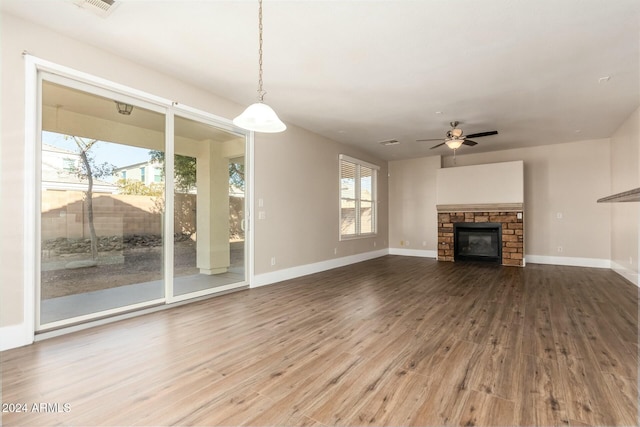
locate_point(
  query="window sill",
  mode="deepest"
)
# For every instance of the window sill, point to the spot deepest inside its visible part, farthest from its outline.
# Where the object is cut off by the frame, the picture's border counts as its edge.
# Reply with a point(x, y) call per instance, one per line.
point(358, 237)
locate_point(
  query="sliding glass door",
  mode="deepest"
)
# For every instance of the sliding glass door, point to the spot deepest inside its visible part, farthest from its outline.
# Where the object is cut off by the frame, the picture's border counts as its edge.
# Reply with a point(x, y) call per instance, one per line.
point(209, 206)
point(108, 243)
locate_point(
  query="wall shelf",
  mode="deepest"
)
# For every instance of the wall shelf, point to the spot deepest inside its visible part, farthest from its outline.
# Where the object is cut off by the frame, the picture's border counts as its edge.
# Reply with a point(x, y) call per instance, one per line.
point(625, 196)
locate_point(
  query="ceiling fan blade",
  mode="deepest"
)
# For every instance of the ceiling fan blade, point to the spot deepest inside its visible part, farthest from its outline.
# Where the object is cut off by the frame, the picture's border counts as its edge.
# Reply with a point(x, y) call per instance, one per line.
point(469, 143)
point(432, 139)
point(480, 134)
point(436, 146)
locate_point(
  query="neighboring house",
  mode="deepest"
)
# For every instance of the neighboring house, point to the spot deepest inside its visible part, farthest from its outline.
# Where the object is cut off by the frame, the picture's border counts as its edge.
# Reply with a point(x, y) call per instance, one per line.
point(59, 168)
point(148, 173)
point(151, 172)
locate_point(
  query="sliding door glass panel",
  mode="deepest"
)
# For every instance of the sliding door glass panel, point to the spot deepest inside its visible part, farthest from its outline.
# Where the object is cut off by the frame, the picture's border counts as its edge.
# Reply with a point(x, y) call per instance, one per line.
point(209, 206)
point(102, 206)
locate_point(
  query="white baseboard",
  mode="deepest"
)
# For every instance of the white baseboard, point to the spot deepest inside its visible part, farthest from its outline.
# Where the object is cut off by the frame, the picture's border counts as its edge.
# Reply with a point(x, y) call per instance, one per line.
point(14, 336)
point(413, 252)
point(303, 270)
point(628, 274)
point(570, 261)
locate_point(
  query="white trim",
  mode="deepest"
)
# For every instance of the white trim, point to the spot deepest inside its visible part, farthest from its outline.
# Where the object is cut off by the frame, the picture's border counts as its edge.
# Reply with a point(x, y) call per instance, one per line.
point(249, 204)
point(209, 118)
point(206, 292)
point(569, 261)
point(14, 336)
point(627, 273)
point(357, 198)
point(169, 197)
point(69, 321)
point(414, 252)
point(358, 161)
point(303, 270)
point(31, 195)
point(130, 93)
point(126, 315)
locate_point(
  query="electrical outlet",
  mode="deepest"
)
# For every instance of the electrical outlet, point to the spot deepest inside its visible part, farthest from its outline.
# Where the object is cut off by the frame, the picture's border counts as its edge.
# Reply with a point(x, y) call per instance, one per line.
point(559, 215)
point(273, 260)
point(335, 251)
point(374, 244)
point(559, 248)
point(401, 242)
point(262, 215)
point(424, 243)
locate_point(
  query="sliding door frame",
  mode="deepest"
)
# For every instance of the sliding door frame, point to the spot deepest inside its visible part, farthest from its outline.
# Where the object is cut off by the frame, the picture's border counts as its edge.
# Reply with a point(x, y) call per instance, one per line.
point(37, 70)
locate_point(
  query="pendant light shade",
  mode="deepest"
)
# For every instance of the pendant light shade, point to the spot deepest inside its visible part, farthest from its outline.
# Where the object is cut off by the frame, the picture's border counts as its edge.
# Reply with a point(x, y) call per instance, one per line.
point(259, 117)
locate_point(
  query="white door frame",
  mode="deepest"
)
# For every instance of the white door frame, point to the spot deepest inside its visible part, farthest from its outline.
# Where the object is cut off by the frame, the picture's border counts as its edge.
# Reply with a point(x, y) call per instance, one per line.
point(35, 70)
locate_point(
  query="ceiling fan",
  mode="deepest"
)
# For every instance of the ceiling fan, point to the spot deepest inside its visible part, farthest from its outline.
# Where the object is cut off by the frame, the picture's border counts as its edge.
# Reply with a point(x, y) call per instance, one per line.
point(455, 138)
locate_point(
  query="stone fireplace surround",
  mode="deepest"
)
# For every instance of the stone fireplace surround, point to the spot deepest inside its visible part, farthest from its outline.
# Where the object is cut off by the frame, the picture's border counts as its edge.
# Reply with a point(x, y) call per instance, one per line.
point(510, 215)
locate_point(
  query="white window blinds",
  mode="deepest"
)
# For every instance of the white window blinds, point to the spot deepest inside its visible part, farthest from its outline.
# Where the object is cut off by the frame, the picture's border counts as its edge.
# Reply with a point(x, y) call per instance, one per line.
point(357, 198)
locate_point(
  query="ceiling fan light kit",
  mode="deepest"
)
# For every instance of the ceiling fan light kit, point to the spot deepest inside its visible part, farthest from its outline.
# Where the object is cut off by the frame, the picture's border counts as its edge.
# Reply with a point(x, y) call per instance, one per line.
point(455, 138)
point(454, 144)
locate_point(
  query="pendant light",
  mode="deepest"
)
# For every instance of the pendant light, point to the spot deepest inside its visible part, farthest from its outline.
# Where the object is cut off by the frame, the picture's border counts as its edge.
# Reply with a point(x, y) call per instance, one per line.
point(259, 117)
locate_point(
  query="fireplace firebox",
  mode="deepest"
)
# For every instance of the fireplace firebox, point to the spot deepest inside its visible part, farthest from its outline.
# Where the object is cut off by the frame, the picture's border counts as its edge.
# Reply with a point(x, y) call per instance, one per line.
point(478, 242)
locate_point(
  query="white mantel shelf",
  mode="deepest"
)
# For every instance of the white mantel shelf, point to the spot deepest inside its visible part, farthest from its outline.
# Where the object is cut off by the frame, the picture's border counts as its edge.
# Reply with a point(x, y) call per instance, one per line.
point(625, 196)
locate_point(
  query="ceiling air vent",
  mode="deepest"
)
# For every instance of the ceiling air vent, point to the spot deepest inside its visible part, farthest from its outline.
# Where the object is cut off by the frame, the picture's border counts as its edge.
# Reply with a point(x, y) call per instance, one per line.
point(102, 8)
point(390, 142)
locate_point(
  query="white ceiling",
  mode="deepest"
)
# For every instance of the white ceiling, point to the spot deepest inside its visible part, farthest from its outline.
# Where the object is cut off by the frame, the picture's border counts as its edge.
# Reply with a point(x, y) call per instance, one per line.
point(361, 72)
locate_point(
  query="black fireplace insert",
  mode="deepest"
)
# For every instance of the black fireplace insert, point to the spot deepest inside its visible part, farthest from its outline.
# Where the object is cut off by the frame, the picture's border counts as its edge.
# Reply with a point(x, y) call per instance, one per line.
point(477, 241)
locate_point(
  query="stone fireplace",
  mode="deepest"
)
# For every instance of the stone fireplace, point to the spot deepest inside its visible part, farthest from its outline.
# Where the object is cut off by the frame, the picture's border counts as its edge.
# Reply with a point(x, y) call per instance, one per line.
point(490, 232)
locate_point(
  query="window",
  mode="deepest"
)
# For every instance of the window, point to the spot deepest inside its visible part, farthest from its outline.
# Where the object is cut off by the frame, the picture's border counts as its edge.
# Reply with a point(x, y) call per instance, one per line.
point(358, 210)
point(69, 165)
point(142, 177)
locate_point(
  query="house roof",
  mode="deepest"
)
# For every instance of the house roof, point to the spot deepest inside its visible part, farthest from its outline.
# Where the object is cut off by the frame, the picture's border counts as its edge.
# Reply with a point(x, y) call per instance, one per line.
point(361, 72)
point(54, 149)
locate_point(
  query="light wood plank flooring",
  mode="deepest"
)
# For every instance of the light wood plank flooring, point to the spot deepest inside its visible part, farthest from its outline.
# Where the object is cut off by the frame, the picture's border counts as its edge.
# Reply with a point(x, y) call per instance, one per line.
point(395, 341)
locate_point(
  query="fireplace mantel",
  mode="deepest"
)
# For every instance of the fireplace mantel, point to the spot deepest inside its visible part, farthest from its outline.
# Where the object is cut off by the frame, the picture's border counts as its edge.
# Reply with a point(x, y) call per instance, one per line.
point(482, 207)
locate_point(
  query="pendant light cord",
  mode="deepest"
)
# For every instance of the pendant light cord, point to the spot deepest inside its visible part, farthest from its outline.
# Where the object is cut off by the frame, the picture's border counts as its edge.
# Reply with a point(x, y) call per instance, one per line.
point(261, 92)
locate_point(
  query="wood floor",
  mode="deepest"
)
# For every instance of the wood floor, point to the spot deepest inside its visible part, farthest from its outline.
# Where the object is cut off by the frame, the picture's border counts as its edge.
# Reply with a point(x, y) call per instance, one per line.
point(395, 341)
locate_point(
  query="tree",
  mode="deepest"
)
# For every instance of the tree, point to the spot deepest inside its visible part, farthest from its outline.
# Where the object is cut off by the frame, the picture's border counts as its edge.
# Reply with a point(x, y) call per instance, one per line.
point(89, 170)
point(236, 175)
point(185, 170)
point(137, 188)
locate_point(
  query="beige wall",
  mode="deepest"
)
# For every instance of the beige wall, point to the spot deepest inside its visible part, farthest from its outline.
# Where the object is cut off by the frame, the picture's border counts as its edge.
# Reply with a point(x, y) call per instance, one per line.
point(563, 178)
point(412, 204)
point(625, 217)
point(304, 170)
point(296, 172)
point(481, 184)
